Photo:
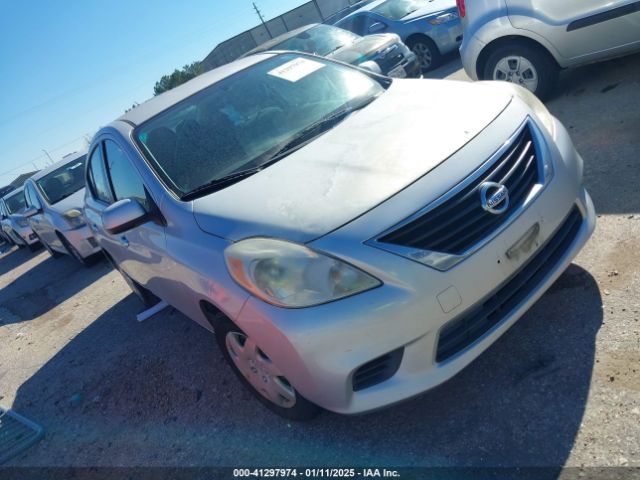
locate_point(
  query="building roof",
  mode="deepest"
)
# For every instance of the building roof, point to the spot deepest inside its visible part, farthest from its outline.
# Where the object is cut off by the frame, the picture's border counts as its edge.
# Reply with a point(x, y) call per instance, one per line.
point(279, 39)
point(18, 182)
point(67, 159)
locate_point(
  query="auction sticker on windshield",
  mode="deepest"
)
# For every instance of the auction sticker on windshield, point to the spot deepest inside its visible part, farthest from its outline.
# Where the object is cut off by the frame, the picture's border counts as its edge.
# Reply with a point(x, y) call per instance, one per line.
point(296, 69)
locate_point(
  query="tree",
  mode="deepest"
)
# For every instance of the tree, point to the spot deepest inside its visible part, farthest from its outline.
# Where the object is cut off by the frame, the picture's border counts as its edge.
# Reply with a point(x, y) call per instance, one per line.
point(178, 77)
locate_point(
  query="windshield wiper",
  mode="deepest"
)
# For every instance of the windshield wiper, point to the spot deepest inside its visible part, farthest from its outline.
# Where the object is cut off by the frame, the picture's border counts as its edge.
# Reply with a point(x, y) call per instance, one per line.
point(298, 141)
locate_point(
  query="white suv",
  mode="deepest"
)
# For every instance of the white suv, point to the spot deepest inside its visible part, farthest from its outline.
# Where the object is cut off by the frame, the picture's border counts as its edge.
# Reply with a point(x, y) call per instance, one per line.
point(528, 41)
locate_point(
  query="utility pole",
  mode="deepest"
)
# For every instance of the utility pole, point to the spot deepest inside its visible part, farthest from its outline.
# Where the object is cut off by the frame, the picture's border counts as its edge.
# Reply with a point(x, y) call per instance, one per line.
point(49, 156)
point(255, 7)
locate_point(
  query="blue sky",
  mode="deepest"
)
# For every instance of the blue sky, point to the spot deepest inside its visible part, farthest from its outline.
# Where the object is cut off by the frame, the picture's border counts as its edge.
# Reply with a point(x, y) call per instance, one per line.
point(70, 66)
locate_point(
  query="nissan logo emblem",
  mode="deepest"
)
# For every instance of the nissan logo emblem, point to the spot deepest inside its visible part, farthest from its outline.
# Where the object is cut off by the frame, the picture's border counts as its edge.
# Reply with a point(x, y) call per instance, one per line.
point(494, 197)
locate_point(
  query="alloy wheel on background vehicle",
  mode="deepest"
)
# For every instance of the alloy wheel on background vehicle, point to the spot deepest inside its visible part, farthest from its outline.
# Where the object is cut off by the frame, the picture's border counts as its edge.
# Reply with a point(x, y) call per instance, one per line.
point(258, 369)
point(424, 54)
point(517, 69)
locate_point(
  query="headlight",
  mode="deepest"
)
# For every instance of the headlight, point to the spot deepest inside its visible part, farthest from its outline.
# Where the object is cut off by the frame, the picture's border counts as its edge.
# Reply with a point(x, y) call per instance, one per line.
point(542, 113)
point(445, 17)
point(74, 217)
point(291, 275)
point(22, 222)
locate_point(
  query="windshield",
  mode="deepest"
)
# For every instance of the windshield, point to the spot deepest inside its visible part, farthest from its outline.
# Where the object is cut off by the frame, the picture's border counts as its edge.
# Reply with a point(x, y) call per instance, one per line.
point(63, 182)
point(16, 202)
point(321, 40)
point(398, 9)
point(244, 120)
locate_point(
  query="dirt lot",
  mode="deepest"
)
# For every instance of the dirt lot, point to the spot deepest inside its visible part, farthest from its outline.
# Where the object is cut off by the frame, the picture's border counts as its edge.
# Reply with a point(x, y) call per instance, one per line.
point(560, 388)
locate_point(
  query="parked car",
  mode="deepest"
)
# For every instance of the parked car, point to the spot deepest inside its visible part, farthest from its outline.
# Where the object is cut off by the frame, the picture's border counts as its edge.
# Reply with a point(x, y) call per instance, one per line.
point(14, 223)
point(430, 28)
point(55, 199)
point(527, 42)
point(288, 203)
point(383, 53)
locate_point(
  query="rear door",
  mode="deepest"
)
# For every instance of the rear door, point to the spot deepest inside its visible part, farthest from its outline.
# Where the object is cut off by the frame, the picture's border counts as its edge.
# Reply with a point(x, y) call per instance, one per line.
point(581, 29)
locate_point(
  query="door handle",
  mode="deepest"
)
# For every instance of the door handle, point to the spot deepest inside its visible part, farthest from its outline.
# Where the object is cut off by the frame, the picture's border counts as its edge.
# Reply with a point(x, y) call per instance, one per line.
point(124, 242)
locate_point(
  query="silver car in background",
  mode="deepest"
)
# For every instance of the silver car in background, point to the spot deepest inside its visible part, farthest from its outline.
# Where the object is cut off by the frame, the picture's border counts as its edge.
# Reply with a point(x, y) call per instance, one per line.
point(288, 203)
point(528, 41)
point(14, 223)
point(430, 28)
point(55, 199)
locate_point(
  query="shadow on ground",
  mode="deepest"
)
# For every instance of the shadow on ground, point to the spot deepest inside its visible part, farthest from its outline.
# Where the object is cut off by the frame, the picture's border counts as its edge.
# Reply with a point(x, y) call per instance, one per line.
point(48, 283)
point(158, 393)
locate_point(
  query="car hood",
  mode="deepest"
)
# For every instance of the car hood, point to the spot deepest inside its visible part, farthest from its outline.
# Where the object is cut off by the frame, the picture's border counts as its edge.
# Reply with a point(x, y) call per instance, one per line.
point(73, 201)
point(370, 156)
point(364, 47)
point(434, 6)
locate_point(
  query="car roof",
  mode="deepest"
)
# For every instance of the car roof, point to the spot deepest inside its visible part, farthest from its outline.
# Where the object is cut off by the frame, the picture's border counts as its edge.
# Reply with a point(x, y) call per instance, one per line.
point(269, 44)
point(155, 105)
point(14, 192)
point(368, 7)
point(67, 159)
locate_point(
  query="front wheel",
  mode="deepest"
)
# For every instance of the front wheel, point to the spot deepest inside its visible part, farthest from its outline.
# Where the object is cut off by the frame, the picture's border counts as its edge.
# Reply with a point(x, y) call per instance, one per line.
point(523, 65)
point(263, 377)
point(427, 52)
point(74, 252)
point(51, 251)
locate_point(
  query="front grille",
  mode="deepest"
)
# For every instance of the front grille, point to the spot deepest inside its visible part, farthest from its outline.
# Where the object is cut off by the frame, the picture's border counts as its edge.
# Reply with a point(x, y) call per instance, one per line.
point(460, 222)
point(392, 58)
point(462, 332)
point(378, 370)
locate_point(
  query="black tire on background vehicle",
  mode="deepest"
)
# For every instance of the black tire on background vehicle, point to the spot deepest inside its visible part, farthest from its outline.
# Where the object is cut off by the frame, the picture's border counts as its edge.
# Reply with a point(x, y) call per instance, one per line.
point(51, 251)
point(18, 244)
point(34, 247)
point(85, 262)
point(427, 52)
point(523, 64)
point(293, 406)
point(147, 298)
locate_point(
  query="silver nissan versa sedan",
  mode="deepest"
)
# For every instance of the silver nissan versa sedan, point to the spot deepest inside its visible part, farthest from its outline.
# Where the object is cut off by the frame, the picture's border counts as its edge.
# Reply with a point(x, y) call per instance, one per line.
point(288, 203)
point(55, 198)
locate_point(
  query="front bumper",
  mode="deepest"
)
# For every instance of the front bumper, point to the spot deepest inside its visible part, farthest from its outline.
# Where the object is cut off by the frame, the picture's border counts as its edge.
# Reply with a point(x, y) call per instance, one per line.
point(447, 36)
point(82, 240)
point(320, 349)
point(26, 235)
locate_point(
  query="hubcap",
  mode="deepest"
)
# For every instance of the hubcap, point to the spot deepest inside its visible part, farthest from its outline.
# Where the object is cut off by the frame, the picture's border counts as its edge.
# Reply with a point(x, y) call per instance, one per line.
point(259, 370)
point(423, 52)
point(518, 70)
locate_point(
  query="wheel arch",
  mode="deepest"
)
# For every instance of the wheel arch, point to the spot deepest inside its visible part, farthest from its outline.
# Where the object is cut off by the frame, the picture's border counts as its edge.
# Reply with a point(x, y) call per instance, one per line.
point(419, 36)
point(510, 40)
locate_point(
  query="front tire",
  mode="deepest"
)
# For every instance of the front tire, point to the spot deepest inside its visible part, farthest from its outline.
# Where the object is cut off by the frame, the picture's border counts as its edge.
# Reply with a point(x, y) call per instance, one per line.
point(427, 52)
point(261, 376)
point(74, 253)
point(524, 65)
point(51, 251)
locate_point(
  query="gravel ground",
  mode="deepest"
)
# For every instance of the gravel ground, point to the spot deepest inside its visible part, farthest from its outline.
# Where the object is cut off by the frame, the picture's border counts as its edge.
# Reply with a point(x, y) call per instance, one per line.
point(562, 387)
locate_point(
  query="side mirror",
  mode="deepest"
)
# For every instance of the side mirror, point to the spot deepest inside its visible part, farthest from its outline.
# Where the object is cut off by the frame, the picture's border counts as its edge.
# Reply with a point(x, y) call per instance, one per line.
point(30, 212)
point(124, 215)
point(377, 27)
point(371, 66)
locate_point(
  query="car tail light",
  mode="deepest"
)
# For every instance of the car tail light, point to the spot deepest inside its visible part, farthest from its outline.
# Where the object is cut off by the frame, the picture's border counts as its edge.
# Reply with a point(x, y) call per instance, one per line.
point(462, 9)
